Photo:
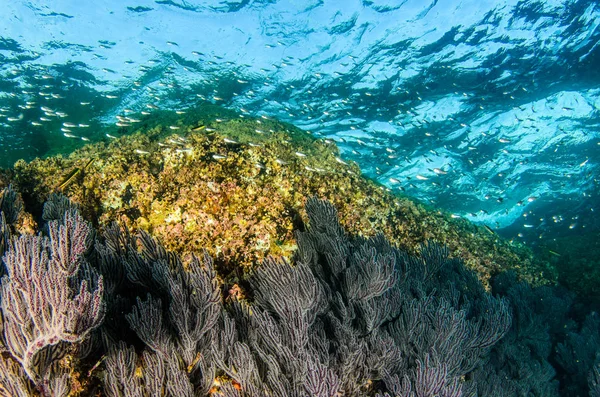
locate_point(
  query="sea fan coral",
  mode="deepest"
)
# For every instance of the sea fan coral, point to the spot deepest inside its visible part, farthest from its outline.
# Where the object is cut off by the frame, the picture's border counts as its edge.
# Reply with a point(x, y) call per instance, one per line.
point(50, 297)
point(346, 316)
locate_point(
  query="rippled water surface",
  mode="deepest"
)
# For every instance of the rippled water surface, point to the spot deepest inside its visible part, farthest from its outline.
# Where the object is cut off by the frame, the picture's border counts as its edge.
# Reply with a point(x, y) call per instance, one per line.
point(487, 109)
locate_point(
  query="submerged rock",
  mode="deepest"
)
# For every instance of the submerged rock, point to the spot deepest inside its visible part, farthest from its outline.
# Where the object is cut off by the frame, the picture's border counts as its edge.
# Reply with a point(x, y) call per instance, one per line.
point(237, 187)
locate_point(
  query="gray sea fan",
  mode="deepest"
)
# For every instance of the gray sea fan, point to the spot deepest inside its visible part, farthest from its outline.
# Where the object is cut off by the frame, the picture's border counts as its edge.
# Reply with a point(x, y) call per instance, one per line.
point(594, 381)
point(146, 319)
point(56, 206)
point(195, 304)
point(10, 204)
point(579, 354)
point(128, 375)
point(121, 379)
point(4, 240)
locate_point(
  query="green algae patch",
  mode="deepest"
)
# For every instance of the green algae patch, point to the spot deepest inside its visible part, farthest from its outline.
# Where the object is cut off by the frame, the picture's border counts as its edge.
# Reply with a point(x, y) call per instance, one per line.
point(237, 188)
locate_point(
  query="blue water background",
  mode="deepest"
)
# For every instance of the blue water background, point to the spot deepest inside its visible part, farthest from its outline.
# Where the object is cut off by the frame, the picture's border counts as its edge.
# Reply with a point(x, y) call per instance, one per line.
point(486, 109)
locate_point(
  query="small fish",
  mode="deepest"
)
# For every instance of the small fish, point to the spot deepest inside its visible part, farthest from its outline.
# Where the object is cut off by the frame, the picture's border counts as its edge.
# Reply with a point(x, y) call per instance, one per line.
point(69, 135)
point(300, 154)
point(218, 157)
point(553, 253)
point(111, 136)
point(139, 151)
point(71, 176)
point(199, 128)
point(173, 127)
point(421, 177)
point(439, 171)
point(489, 229)
point(504, 140)
point(227, 140)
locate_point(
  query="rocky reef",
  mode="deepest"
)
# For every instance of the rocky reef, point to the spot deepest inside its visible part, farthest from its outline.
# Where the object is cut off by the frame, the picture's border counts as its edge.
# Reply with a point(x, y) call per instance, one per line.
point(210, 254)
point(237, 187)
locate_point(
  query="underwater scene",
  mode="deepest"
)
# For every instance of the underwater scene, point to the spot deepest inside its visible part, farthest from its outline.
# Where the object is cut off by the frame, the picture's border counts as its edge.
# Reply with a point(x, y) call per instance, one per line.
point(311, 198)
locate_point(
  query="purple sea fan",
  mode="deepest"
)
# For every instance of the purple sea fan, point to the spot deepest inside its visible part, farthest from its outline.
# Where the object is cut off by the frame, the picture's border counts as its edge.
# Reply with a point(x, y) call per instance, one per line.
point(48, 295)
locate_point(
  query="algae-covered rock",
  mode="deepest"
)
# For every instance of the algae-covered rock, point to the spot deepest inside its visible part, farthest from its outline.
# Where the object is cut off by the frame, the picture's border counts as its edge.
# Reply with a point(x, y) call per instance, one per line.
point(237, 187)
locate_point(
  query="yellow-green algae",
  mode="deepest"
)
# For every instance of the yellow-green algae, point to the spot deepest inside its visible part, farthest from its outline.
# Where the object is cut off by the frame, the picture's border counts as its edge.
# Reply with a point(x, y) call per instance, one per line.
point(246, 205)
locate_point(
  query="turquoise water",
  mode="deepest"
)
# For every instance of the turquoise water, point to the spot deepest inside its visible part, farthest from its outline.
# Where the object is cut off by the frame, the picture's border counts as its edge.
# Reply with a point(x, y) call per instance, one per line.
point(486, 109)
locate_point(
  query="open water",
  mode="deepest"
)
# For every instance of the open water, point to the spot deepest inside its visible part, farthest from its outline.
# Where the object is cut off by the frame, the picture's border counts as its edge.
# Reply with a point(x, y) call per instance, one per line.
point(486, 109)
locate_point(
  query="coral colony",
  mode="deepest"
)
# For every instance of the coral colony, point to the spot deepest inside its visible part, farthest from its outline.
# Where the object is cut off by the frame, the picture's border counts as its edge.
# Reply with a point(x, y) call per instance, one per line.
point(111, 295)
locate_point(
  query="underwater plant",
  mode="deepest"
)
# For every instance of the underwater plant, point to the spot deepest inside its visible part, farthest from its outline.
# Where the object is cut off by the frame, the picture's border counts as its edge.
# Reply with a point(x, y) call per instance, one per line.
point(113, 313)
